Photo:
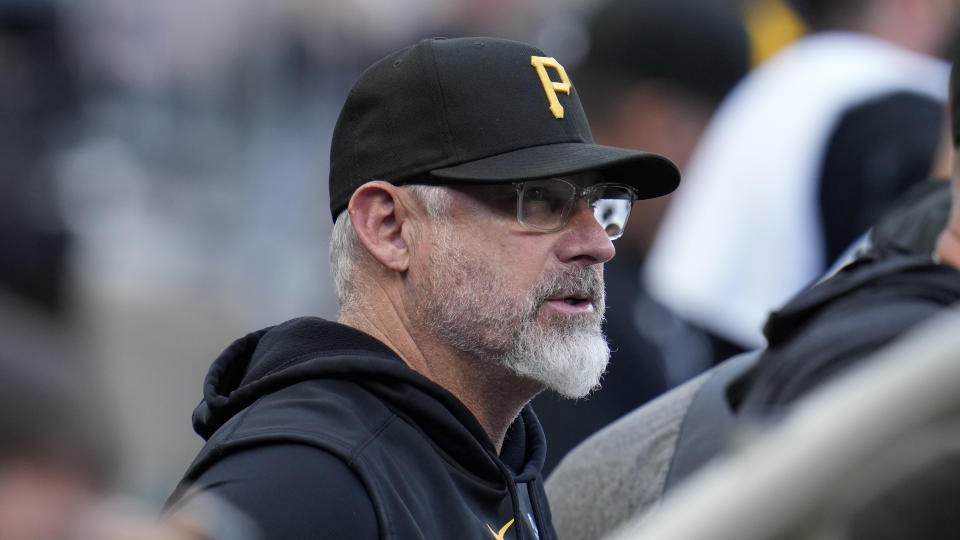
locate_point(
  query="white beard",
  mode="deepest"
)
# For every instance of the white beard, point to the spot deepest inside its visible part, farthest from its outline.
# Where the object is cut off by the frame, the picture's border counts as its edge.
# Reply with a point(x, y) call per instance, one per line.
point(465, 303)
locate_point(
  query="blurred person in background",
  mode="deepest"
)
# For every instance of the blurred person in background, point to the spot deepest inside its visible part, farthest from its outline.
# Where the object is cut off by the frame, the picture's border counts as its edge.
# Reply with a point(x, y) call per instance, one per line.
point(38, 116)
point(59, 452)
point(473, 214)
point(905, 272)
point(631, 464)
point(805, 154)
point(56, 453)
point(655, 72)
point(908, 272)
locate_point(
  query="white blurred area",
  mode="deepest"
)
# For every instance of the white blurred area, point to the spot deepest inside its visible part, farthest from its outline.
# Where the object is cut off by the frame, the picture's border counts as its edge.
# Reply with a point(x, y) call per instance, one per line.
point(196, 190)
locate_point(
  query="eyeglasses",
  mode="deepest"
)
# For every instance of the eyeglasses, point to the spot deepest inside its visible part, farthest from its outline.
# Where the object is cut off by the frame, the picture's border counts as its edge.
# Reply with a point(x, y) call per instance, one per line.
point(546, 205)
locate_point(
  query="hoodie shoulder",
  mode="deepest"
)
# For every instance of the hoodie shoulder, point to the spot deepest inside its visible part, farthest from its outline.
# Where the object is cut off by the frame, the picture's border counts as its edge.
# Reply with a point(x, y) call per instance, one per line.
point(276, 357)
point(343, 418)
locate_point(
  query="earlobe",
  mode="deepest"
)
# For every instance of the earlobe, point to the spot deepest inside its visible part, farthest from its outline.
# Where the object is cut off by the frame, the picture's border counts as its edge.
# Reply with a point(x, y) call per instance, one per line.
point(377, 216)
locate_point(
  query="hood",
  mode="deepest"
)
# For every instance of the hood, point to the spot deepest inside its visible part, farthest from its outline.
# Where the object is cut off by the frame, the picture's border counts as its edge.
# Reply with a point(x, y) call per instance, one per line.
point(897, 271)
point(841, 322)
point(274, 358)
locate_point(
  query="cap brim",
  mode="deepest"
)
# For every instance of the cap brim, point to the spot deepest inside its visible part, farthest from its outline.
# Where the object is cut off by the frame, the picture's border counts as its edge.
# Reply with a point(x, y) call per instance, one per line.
point(651, 174)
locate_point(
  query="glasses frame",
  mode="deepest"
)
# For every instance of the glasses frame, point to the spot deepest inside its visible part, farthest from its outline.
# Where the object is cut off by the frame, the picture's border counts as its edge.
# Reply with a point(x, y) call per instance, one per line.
point(586, 193)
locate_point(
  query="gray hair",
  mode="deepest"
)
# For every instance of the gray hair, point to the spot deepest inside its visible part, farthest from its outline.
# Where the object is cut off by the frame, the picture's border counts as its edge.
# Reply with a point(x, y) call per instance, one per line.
point(346, 251)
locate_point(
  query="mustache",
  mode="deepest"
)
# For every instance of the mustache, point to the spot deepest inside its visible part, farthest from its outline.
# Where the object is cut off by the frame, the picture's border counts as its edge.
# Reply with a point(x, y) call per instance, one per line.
point(584, 282)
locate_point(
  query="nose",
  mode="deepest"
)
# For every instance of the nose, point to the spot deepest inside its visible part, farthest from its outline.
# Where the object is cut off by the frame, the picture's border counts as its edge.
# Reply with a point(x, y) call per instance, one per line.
point(584, 239)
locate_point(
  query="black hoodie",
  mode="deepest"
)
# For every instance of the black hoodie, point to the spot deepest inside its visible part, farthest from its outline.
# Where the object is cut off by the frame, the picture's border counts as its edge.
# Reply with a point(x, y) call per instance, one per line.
point(317, 430)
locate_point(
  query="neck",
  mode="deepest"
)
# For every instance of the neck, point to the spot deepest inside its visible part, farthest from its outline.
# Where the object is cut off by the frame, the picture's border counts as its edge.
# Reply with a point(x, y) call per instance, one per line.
point(493, 394)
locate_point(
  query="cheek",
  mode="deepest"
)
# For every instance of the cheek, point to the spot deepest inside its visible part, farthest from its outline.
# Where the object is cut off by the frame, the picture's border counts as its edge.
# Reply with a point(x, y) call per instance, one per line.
point(518, 257)
point(525, 263)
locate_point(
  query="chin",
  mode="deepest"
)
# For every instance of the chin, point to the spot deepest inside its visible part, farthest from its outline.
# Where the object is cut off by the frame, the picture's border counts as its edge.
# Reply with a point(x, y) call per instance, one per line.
point(570, 365)
point(580, 388)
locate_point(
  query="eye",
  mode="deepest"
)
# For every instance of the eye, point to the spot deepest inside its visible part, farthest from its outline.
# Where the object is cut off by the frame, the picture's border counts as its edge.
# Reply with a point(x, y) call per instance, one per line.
point(547, 198)
point(537, 194)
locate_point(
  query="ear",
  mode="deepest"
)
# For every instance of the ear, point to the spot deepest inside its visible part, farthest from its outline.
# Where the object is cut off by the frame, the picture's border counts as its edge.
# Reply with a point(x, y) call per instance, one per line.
point(378, 215)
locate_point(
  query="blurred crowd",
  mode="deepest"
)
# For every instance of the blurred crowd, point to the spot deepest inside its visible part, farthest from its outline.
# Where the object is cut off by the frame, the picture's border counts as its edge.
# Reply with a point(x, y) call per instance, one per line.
point(164, 190)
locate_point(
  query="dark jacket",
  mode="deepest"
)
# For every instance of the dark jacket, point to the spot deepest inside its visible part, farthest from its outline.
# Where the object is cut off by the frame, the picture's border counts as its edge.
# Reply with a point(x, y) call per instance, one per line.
point(317, 430)
point(843, 320)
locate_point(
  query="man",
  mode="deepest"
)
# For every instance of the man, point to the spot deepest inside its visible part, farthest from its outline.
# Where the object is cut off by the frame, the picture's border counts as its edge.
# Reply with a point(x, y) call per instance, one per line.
point(473, 216)
point(801, 159)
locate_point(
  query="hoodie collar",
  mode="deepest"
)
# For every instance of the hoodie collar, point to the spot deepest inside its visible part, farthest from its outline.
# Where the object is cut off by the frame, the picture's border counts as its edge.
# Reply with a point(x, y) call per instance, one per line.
point(273, 358)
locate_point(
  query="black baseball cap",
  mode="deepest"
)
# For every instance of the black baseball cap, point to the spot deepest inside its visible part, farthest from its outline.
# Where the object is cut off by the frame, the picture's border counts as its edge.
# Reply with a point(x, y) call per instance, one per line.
point(474, 110)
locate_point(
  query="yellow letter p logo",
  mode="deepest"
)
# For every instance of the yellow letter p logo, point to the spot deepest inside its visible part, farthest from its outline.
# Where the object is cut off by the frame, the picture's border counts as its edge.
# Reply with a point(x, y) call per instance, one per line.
point(551, 88)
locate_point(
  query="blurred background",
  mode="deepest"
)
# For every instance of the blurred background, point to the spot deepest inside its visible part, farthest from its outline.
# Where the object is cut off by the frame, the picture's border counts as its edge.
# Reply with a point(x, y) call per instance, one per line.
point(165, 163)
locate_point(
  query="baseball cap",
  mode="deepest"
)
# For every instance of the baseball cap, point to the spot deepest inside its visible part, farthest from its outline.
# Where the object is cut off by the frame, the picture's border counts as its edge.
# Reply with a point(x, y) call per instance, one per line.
point(474, 110)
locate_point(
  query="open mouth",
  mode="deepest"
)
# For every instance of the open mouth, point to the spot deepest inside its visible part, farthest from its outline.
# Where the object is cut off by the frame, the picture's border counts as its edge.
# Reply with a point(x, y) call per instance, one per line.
point(573, 303)
point(576, 300)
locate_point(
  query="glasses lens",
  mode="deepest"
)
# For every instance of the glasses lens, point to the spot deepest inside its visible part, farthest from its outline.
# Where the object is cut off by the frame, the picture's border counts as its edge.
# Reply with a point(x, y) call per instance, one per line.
point(544, 204)
point(611, 207)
